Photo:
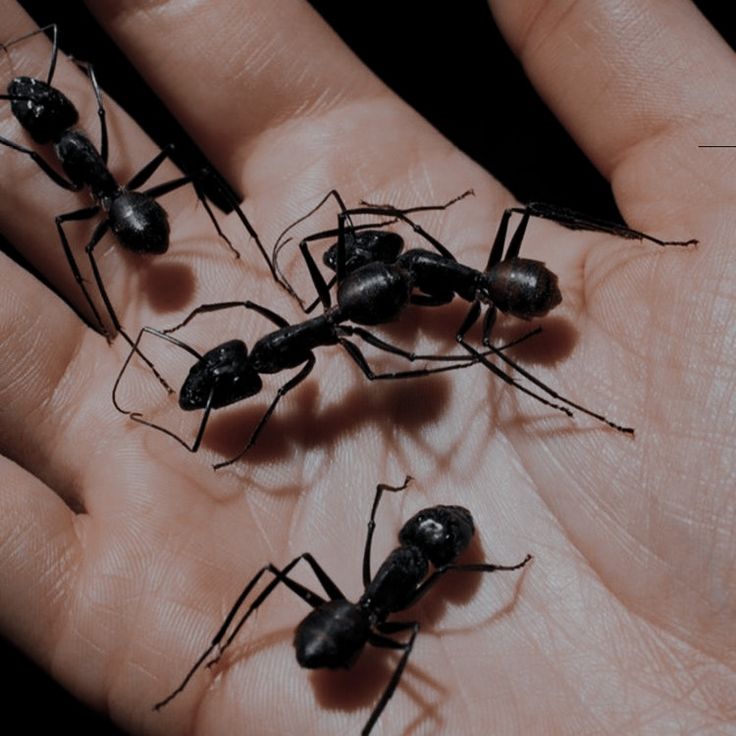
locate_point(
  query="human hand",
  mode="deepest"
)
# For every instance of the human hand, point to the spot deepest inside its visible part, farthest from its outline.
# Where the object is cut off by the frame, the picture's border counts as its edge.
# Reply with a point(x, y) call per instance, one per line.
point(632, 546)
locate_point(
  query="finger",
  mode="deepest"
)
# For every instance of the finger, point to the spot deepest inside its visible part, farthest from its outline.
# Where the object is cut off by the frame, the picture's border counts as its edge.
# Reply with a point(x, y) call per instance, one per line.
point(288, 112)
point(45, 365)
point(38, 557)
point(639, 87)
point(271, 63)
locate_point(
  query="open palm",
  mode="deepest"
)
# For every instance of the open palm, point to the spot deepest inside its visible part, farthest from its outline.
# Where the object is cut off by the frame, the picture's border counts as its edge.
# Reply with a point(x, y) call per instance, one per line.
point(121, 553)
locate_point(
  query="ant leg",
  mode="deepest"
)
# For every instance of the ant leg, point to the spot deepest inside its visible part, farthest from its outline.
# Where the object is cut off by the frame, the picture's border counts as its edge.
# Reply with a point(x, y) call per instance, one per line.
point(469, 321)
point(277, 319)
point(489, 321)
point(371, 339)
point(384, 642)
point(216, 640)
point(421, 208)
point(279, 244)
point(225, 189)
point(136, 351)
point(323, 290)
point(137, 417)
point(496, 252)
point(513, 364)
point(144, 174)
point(307, 256)
point(380, 488)
point(54, 47)
point(399, 215)
point(355, 353)
point(435, 577)
point(283, 390)
point(575, 221)
point(97, 236)
point(140, 178)
point(281, 576)
point(38, 160)
point(83, 214)
point(90, 72)
point(508, 379)
point(311, 307)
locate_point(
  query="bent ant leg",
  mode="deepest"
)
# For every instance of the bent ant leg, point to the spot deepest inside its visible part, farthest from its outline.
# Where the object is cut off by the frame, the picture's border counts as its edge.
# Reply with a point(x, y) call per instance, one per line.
point(269, 314)
point(282, 241)
point(313, 599)
point(323, 288)
point(283, 390)
point(388, 347)
point(57, 178)
point(575, 221)
point(470, 320)
point(440, 572)
point(280, 576)
point(135, 350)
point(380, 489)
point(388, 210)
point(54, 46)
point(384, 642)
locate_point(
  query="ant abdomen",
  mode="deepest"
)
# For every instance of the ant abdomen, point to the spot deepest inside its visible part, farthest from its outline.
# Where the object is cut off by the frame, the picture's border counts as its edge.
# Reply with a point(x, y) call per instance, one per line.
point(140, 223)
point(522, 287)
point(374, 294)
point(331, 636)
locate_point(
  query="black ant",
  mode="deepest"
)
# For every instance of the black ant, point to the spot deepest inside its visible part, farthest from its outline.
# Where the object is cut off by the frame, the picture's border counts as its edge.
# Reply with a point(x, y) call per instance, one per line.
point(135, 217)
point(228, 373)
point(522, 287)
point(334, 633)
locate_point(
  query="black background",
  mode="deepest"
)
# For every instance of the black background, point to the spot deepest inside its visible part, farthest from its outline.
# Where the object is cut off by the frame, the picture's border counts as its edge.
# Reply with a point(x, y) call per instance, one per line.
point(448, 65)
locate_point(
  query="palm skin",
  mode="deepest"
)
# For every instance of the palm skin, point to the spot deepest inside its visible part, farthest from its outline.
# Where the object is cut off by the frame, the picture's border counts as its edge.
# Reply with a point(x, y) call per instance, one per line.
point(623, 622)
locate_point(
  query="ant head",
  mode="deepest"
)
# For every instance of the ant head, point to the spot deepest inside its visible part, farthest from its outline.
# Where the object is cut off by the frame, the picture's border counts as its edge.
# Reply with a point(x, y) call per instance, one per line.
point(521, 287)
point(441, 532)
point(41, 109)
point(223, 373)
point(363, 247)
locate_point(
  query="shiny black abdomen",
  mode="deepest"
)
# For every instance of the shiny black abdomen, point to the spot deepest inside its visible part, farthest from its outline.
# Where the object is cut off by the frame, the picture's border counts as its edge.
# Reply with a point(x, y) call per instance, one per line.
point(373, 294)
point(332, 635)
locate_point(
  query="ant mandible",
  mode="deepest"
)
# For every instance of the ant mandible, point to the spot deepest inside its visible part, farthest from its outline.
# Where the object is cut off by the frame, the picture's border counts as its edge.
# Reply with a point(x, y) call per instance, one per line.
point(335, 632)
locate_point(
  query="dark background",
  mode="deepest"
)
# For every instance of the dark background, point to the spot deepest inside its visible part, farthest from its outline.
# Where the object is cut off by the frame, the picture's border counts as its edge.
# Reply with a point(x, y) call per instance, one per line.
point(443, 63)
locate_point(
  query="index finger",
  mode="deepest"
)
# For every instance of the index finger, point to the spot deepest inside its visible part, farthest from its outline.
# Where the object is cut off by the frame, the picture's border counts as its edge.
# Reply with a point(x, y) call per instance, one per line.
point(282, 62)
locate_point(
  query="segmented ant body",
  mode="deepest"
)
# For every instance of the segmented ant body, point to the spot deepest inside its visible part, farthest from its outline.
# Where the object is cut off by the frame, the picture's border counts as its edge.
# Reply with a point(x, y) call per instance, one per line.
point(137, 220)
point(335, 632)
point(521, 287)
point(229, 373)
